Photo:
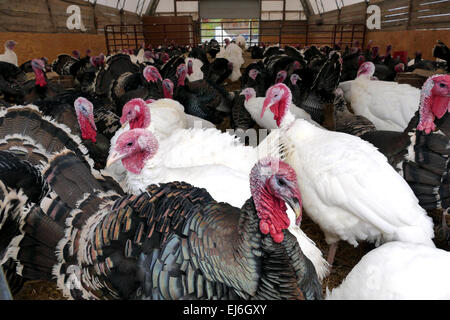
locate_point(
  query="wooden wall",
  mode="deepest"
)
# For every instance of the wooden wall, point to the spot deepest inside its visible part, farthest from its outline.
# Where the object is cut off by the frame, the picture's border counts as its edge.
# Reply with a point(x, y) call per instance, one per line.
point(37, 45)
point(406, 24)
point(395, 14)
point(51, 16)
point(158, 30)
point(352, 14)
point(39, 27)
point(410, 41)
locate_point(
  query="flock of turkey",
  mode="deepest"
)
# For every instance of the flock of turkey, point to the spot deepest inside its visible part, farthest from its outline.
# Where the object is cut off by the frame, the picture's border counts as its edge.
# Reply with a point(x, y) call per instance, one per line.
point(123, 187)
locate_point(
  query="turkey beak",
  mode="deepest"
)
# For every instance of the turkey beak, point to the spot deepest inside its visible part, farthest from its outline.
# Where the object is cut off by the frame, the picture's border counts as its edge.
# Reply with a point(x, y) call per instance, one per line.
point(124, 124)
point(296, 206)
point(113, 157)
point(267, 103)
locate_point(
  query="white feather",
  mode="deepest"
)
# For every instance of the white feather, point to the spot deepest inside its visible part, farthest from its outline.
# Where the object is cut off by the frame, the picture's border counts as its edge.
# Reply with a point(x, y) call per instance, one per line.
point(397, 271)
point(9, 56)
point(389, 105)
point(254, 106)
point(240, 41)
point(197, 73)
point(350, 190)
point(167, 116)
point(233, 53)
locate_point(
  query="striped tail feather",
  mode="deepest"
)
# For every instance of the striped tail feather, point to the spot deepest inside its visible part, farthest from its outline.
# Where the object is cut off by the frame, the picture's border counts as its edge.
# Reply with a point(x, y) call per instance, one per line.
point(50, 232)
point(43, 135)
point(37, 138)
point(41, 228)
point(21, 174)
point(11, 204)
point(72, 179)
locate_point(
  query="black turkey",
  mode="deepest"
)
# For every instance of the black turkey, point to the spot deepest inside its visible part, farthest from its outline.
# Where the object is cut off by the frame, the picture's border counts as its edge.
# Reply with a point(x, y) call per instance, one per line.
point(255, 76)
point(12, 79)
point(171, 242)
point(219, 70)
point(213, 48)
point(202, 98)
point(117, 67)
point(442, 52)
point(40, 88)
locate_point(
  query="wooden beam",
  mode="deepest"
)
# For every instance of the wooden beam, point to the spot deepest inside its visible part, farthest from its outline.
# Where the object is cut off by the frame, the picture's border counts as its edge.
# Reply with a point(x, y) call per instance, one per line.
point(50, 13)
point(307, 8)
point(151, 9)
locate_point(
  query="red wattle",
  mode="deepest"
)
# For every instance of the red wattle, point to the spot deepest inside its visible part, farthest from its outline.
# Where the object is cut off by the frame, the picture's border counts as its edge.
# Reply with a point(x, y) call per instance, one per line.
point(181, 80)
point(440, 105)
point(135, 162)
point(87, 132)
point(263, 227)
point(272, 214)
point(40, 79)
point(137, 123)
point(167, 93)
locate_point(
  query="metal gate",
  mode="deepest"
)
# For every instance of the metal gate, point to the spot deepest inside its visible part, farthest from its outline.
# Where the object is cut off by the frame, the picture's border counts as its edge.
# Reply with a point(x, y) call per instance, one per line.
point(300, 33)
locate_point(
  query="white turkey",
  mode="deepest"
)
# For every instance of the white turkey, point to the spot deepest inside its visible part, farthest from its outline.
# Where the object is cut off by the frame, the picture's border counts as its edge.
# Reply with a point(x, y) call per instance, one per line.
point(194, 69)
point(349, 188)
point(162, 116)
point(9, 55)
point(137, 148)
point(197, 145)
point(140, 56)
point(254, 106)
point(165, 117)
point(233, 53)
point(397, 271)
point(389, 105)
point(241, 42)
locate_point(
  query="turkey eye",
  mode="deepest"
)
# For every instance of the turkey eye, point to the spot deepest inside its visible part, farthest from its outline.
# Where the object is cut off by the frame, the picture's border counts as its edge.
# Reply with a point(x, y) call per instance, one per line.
point(281, 182)
point(442, 85)
point(129, 144)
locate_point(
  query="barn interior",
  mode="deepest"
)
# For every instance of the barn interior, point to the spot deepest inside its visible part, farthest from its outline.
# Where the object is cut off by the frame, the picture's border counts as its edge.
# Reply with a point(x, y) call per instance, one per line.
point(413, 33)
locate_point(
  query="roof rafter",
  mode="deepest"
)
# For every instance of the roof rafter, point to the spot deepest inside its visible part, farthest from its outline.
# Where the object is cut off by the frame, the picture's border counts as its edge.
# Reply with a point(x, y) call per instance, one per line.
point(151, 9)
point(307, 8)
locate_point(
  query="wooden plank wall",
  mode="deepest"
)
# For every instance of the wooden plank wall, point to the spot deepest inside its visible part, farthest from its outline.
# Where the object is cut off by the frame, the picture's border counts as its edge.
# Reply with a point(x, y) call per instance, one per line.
point(37, 45)
point(395, 14)
point(158, 30)
point(353, 14)
point(409, 41)
point(49, 16)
